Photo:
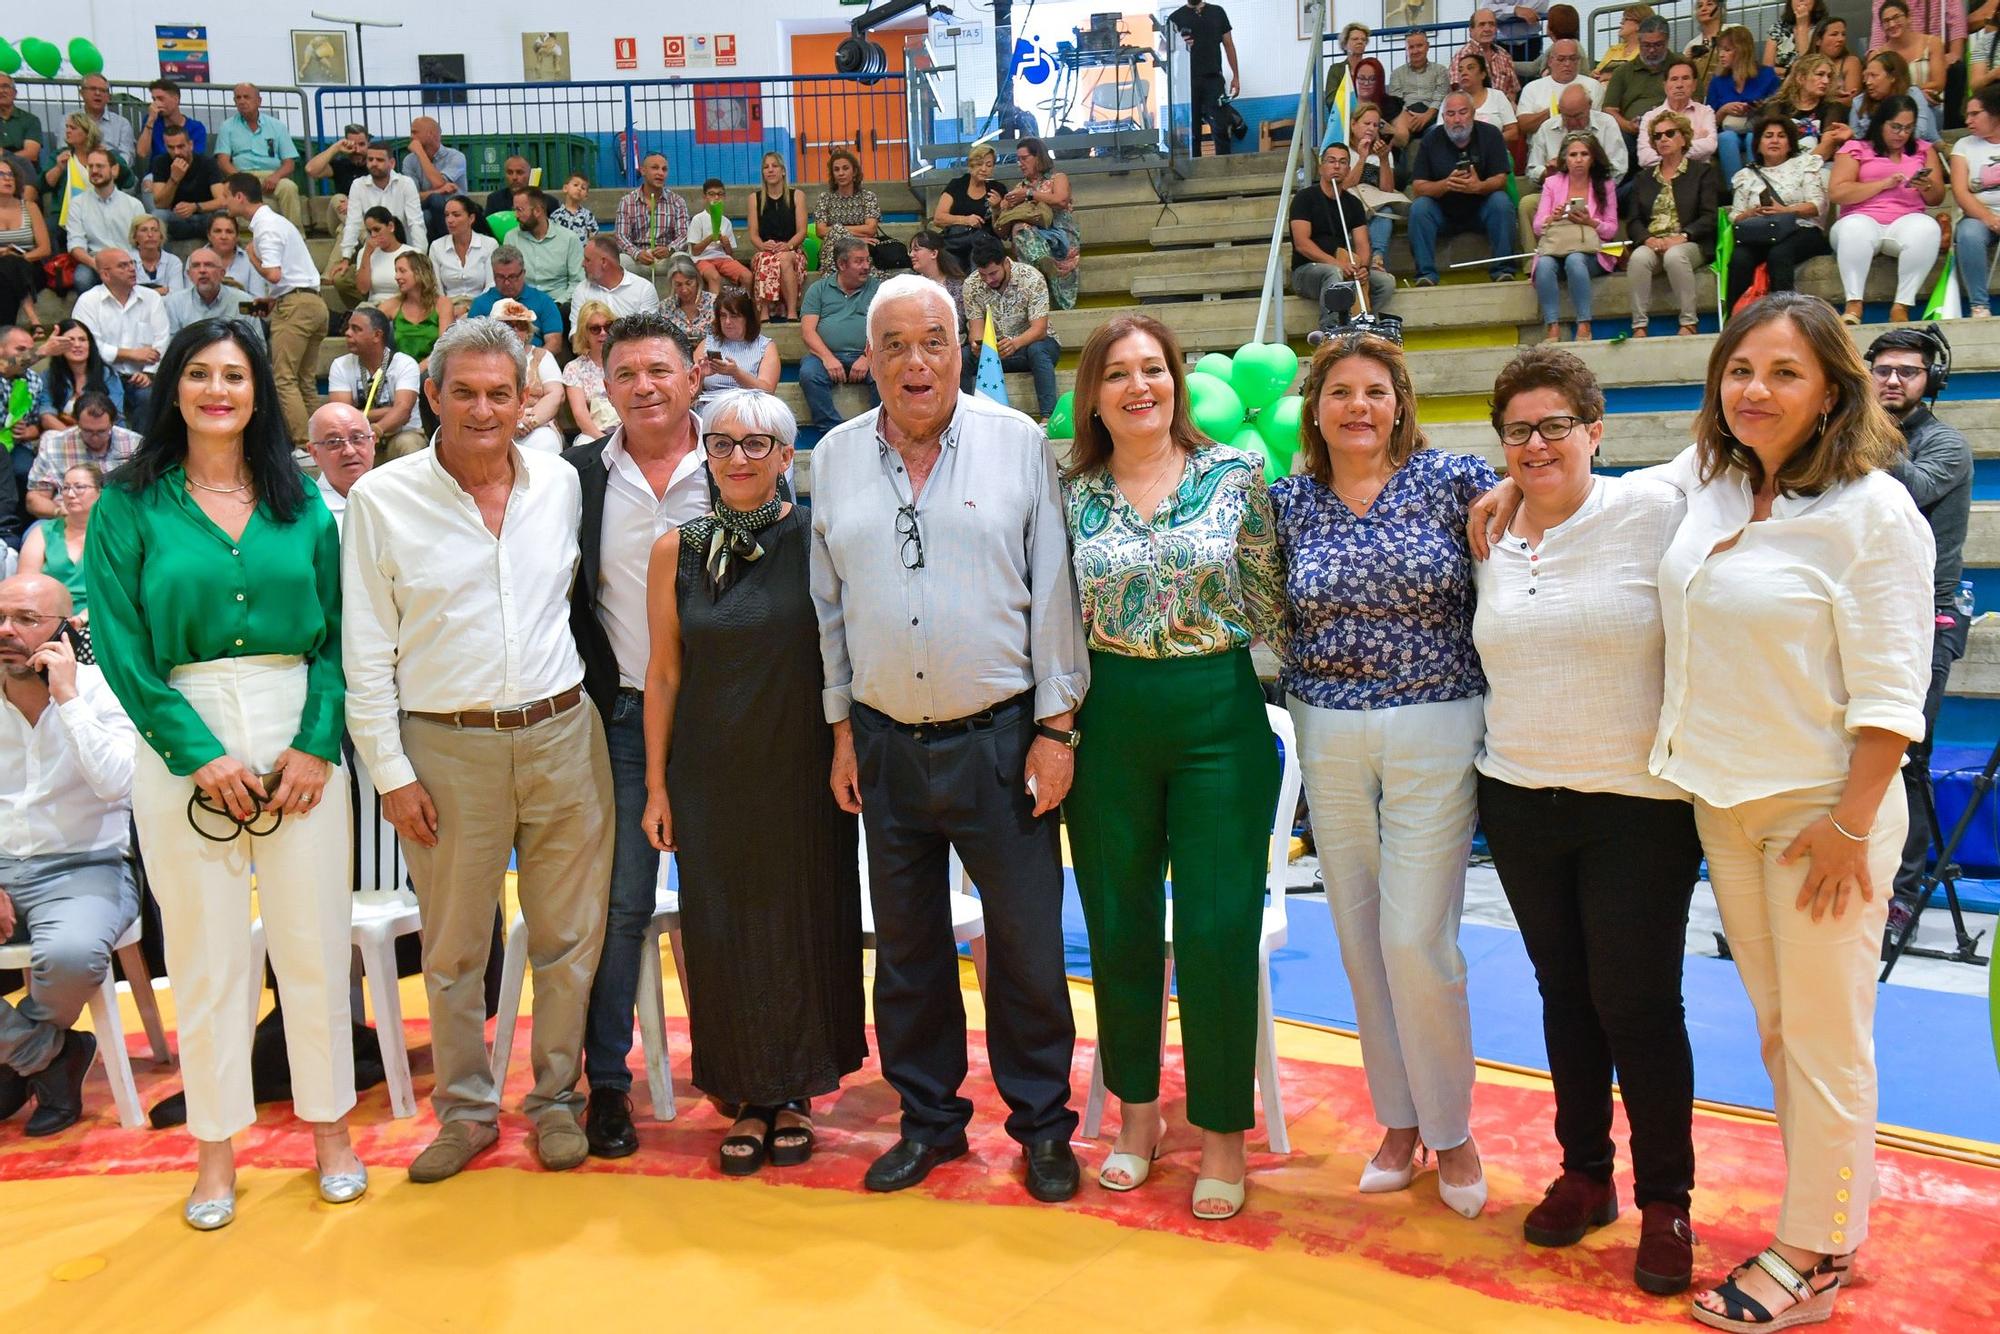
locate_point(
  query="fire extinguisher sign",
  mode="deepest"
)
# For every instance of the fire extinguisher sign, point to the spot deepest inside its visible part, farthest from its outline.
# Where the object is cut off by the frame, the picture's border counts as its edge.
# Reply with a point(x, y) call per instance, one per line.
point(625, 52)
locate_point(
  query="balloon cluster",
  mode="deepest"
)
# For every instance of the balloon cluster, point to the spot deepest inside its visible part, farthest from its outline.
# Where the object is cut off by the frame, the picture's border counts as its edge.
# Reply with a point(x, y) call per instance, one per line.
point(46, 58)
point(1240, 401)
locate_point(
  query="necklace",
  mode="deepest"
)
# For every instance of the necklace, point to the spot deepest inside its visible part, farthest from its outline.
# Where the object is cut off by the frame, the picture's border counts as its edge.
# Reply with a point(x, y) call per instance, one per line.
point(218, 490)
point(1174, 455)
point(1363, 501)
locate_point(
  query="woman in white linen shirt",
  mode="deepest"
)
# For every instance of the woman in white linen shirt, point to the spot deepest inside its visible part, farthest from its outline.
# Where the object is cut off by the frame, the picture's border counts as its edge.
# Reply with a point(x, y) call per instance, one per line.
point(463, 257)
point(1797, 604)
point(1597, 856)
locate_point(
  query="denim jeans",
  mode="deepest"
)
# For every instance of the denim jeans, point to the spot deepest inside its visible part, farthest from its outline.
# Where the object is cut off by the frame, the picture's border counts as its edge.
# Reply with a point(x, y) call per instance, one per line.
point(1550, 275)
point(1039, 360)
point(1428, 222)
point(817, 386)
point(635, 872)
point(1975, 241)
point(1732, 148)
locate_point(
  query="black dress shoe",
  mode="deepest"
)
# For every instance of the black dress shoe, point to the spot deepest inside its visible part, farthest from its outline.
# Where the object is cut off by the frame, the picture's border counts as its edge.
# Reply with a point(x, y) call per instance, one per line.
point(607, 1124)
point(909, 1163)
point(1052, 1170)
point(13, 1091)
point(58, 1087)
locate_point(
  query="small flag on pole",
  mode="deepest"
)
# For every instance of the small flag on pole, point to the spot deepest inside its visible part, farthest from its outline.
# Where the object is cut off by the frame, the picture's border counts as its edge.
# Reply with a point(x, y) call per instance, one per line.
point(991, 382)
point(1725, 246)
point(1339, 113)
point(74, 185)
point(1944, 303)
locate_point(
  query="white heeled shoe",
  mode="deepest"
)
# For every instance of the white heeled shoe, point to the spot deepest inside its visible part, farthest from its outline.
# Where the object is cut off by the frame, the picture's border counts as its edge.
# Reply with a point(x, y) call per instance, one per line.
point(1382, 1180)
point(1210, 1188)
point(1466, 1200)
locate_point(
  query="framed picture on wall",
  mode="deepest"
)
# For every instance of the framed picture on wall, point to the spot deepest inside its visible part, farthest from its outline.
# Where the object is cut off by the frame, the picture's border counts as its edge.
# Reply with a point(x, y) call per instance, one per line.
point(442, 69)
point(545, 57)
point(319, 57)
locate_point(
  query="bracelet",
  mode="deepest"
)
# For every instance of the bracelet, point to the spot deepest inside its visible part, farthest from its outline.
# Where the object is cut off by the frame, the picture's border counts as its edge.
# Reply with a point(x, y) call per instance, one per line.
point(1857, 838)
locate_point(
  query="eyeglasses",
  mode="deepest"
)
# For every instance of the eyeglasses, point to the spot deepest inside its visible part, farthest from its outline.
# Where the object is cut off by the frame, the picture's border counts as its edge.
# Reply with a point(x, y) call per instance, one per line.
point(24, 620)
point(1550, 429)
point(359, 440)
point(1882, 372)
point(913, 536)
point(76, 488)
point(720, 446)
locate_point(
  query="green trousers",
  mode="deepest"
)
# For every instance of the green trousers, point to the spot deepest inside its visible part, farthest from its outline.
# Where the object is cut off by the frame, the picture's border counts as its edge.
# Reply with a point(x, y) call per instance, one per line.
point(1178, 765)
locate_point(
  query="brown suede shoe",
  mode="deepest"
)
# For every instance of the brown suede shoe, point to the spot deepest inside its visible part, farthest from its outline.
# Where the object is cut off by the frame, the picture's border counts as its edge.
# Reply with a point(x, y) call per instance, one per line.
point(559, 1141)
point(1571, 1206)
point(1666, 1250)
point(457, 1143)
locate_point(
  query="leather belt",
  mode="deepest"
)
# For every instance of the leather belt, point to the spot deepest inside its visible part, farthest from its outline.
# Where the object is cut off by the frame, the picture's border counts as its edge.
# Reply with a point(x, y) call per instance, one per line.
point(508, 720)
point(985, 719)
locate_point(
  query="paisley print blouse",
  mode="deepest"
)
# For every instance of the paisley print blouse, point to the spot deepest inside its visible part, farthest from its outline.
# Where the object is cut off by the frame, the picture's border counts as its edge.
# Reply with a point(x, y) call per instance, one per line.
point(1201, 577)
point(1380, 605)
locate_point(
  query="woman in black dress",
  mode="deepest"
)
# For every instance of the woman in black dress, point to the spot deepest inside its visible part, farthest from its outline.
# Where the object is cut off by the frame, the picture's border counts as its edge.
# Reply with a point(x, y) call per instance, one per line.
point(737, 750)
point(965, 209)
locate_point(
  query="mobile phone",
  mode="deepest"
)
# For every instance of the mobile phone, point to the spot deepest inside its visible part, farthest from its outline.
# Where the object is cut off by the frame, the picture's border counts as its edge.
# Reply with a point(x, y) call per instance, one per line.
point(67, 633)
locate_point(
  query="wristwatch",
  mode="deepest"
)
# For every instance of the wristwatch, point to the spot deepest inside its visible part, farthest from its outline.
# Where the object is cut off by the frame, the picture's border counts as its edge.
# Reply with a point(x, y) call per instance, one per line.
point(1071, 738)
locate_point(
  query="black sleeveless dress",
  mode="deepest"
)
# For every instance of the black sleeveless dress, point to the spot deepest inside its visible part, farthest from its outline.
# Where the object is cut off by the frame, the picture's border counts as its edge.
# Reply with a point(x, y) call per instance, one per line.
point(771, 918)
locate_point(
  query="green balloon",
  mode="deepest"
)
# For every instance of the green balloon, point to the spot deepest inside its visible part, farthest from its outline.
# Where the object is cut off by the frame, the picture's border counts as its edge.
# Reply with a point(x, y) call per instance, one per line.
point(1278, 425)
point(1260, 373)
point(84, 57)
point(811, 245)
point(1216, 409)
point(502, 223)
point(1062, 422)
point(43, 57)
point(10, 59)
point(1216, 364)
point(1251, 443)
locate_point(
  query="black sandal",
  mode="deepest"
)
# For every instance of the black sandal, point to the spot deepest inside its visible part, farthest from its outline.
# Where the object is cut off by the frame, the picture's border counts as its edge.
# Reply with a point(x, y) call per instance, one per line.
point(759, 1145)
point(792, 1146)
point(1811, 1305)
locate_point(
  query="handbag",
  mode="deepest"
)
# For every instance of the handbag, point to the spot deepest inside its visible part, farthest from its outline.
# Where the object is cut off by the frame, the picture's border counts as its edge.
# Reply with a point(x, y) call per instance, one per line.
point(1563, 237)
point(889, 254)
point(1767, 231)
point(1033, 213)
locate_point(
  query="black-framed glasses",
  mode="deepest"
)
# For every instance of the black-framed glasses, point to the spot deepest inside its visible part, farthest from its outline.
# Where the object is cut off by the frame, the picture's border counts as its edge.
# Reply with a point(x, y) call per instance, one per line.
point(1550, 429)
point(913, 537)
point(200, 803)
point(721, 446)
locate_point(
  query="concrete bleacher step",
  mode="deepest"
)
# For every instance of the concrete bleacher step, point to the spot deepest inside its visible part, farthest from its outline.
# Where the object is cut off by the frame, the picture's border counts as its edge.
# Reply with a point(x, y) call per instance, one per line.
point(1977, 674)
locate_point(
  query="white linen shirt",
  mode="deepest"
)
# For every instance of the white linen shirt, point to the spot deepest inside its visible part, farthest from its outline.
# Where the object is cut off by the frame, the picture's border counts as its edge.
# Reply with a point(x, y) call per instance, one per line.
point(632, 296)
point(66, 782)
point(1570, 637)
point(634, 519)
point(1817, 623)
point(278, 244)
point(139, 321)
point(438, 614)
point(399, 197)
point(470, 276)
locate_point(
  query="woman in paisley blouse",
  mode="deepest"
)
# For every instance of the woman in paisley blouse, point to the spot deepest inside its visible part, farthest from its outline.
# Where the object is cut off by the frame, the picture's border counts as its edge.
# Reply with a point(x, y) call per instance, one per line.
point(1384, 686)
point(1178, 570)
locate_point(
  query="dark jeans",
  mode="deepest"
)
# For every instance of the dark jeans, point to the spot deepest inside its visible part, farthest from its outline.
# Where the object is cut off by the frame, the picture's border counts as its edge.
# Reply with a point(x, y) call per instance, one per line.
point(1206, 92)
point(920, 798)
point(1600, 885)
point(1947, 647)
point(817, 386)
point(1783, 260)
point(635, 871)
point(1038, 359)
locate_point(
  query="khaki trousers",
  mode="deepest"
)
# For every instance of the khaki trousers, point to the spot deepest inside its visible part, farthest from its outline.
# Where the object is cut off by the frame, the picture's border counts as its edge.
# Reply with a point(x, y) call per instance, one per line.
point(405, 441)
point(1681, 264)
point(542, 793)
point(298, 327)
point(1813, 987)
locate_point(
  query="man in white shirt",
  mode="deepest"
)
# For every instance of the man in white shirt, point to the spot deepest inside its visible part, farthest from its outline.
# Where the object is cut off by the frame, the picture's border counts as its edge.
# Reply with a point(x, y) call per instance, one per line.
point(379, 381)
point(606, 279)
point(206, 296)
point(1537, 103)
point(298, 312)
point(465, 700)
point(388, 188)
point(1679, 83)
point(113, 129)
point(343, 445)
point(129, 323)
point(99, 218)
point(66, 754)
point(1575, 115)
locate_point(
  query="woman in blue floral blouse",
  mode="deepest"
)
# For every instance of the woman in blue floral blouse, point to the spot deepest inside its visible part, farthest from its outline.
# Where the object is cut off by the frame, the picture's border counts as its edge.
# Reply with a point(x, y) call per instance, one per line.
point(1177, 567)
point(1384, 687)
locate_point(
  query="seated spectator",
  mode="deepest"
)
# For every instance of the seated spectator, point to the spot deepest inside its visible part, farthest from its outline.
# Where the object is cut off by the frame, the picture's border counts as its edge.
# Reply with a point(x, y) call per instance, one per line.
point(107, 127)
point(1922, 51)
point(1519, 34)
point(846, 207)
point(1354, 49)
point(652, 220)
point(1710, 16)
point(204, 296)
point(1883, 183)
point(1459, 184)
point(343, 162)
point(1639, 84)
point(1574, 115)
point(1018, 299)
point(261, 145)
point(715, 253)
point(517, 174)
point(24, 244)
point(79, 142)
point(1983, 51)
point(55, 545)
point(100, 218)
point(965, 209)
point(575, 214)
point(552, 255)
point(583, 378)
point(97, 440)
point(777, 220)
point(463, 256)
point(1787, 182)
point(183, 186)
point(606, 280)
point(1578, 213)
point(418, 311)
point(1539, 103)
point(737, 355)
point(833, 324)
point(1420, 84)
point(21, 439)
point(691, 310)
point(1671, 221)
point(160, 270)
point(129, 323)
point(76, 367)
point(1371, 178)
point(929, 259)
point(1680, 87)
point(1735, 88)
point(165, 115)
point(1483, 28)
point(1057, 249)
point(1490, 106)
point(342, 442)
point(381, 382)
point(438, 171)
point(21, 133)
point(384, 188)
point(1975, 184)
point(1371, 88)
point(373, 266)
point(510, 283)
point(225, 239)
point(1887, 75)
point(1790, 34)
point(1331, 249)
point(66, 757)
point(541, 391)
point(1806, 99)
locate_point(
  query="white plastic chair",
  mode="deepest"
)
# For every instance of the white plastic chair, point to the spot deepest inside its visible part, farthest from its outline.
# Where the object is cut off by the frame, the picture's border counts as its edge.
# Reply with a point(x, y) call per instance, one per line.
point(1274, 934)
point(109, 1026)
point(968, 918)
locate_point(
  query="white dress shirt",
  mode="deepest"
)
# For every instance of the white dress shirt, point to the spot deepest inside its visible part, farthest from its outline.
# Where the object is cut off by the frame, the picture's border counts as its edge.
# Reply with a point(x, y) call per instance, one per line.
point(399, 197)
point(66, 782)
point(279, 245)
point(1548, 141)
point(240, 271)
point(632, 295)
point(1543, 94)
point(634, 519)
point(1570, 637)
point(336, 504)
point(1815, 624)
point(438, 614)
point(140, 320)
point(467, 277)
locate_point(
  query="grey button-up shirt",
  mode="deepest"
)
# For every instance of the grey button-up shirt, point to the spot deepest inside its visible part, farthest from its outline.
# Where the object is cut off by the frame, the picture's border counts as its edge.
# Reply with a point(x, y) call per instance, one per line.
point(992, 613)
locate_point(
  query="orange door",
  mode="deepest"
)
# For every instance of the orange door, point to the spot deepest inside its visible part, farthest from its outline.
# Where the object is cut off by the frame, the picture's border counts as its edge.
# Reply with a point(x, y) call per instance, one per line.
point(874, 122)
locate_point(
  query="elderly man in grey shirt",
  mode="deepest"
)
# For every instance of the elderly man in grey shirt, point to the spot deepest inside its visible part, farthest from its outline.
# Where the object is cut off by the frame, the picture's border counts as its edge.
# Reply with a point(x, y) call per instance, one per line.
point(955, 661)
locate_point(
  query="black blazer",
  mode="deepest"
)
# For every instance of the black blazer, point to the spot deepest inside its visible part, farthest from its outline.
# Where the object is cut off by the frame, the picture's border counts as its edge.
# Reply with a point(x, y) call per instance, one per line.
point(600, 666)
point(1697, 198)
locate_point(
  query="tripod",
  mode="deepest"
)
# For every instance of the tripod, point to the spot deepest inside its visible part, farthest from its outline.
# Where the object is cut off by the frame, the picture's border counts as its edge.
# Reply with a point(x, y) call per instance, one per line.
point(1944, 874)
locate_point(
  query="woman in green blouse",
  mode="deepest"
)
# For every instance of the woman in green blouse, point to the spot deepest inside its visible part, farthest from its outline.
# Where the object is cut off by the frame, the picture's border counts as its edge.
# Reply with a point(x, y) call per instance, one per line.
point(1177, 567)
point(215, 591)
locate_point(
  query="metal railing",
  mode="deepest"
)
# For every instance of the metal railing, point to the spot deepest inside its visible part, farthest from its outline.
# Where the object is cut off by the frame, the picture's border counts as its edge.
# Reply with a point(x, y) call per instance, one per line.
point(1271, 300)
point(1600, 25)
point(53, 99)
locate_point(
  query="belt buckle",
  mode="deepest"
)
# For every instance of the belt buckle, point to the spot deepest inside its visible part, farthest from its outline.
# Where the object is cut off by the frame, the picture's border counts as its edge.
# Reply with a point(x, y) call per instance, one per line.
point(520, 713)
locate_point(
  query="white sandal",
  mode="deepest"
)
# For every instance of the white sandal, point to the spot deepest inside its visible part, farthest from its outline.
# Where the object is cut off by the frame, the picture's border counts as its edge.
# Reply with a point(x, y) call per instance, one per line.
point(1132, 1165)
point(1211, 1188)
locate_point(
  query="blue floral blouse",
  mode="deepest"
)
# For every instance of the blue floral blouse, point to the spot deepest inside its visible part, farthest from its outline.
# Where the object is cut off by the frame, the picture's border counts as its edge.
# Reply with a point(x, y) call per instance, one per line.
point(1380, 605)
point(1201, 578)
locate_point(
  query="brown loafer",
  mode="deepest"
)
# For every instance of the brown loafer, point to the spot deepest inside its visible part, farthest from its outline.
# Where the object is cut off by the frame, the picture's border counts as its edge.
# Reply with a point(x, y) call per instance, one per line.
point(1666, 1250)
point(457, 1143)
point(1573, 1204)
point(559, 1141)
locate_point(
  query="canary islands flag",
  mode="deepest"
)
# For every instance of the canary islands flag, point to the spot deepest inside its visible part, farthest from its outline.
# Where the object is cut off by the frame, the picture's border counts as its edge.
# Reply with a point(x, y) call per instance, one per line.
point(1339, 113)
point(74, 185)
point(991, 382)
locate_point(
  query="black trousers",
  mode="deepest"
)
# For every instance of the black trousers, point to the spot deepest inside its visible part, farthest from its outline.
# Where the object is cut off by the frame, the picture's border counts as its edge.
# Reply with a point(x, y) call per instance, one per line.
point(920, 798)
point(1783, 258)
point(1947, 647)
point(1600, 885)
point(1206, 92)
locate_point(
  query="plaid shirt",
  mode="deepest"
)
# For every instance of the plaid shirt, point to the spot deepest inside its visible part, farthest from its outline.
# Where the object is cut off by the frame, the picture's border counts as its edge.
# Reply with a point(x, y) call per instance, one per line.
point(647, 227)
point(1023, 300)
point(1499, 68)
point(63, 450)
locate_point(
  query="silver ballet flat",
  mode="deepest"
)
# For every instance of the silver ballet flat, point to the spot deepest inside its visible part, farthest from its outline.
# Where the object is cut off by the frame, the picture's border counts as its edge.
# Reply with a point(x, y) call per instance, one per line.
point(343, 1187)
point(210, 1215)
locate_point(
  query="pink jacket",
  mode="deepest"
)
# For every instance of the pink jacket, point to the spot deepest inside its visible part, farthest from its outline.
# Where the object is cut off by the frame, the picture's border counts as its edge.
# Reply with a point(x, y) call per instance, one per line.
point(1555, 195)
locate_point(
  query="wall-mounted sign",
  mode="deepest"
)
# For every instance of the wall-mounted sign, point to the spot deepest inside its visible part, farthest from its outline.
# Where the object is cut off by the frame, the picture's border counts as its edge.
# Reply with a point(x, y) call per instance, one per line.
point(625, 52)
point(183, 49)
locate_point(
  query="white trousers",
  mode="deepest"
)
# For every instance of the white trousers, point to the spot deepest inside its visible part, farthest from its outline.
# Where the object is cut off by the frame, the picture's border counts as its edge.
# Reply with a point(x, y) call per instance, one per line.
point(1813, 987)
point(1393, 800)
point(301, 872)
point(1913, 241)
